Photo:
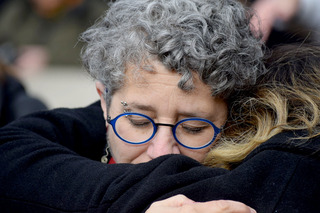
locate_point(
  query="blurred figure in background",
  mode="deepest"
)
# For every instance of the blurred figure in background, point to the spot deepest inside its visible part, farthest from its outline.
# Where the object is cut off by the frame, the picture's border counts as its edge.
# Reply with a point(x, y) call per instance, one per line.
point(287, 21)
point(14, 100)
point(35, 33)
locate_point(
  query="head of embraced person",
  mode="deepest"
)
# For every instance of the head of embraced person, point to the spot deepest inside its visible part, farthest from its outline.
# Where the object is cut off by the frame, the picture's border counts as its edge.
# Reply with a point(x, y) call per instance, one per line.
point(285, 98)
point(164, 71)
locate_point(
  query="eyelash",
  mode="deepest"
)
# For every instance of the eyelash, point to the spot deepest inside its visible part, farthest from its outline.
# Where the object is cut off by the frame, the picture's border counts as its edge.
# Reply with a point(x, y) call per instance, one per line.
point(139, 123)
point(193, 130)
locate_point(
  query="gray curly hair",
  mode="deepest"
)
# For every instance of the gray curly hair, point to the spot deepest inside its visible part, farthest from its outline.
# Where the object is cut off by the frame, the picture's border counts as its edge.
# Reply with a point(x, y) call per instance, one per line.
point(209, 37)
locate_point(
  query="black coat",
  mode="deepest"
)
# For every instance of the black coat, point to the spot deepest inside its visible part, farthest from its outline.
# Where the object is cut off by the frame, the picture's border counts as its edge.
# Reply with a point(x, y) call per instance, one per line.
point(50, 163)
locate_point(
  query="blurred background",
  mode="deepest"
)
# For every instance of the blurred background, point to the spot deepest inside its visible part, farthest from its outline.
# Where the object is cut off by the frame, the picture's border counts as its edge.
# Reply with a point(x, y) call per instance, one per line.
point(62, 86)
point(39, 41)
point(40, 66)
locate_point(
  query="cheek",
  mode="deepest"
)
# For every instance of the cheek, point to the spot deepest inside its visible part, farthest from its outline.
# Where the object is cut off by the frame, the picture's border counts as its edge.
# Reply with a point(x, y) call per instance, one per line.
point(123, 152)
point(199, 154)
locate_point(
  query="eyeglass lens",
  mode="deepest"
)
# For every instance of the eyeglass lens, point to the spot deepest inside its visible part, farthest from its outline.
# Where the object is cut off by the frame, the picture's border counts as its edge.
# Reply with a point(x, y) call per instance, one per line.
point(136, 129)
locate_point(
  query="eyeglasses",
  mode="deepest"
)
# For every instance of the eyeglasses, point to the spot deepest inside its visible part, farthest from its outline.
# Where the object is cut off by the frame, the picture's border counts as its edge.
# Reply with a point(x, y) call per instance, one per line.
point(136, 128)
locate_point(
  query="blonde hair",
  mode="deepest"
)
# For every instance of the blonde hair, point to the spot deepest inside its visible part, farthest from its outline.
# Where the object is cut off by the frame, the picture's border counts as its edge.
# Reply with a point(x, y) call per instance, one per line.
point(286, 98)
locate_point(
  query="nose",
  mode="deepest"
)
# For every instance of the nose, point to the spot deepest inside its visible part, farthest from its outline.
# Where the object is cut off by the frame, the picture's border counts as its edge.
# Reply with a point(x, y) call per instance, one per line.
point(163, 143)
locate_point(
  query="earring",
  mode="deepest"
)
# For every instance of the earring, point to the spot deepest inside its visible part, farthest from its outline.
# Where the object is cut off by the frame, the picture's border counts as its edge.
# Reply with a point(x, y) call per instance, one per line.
point(104, 158)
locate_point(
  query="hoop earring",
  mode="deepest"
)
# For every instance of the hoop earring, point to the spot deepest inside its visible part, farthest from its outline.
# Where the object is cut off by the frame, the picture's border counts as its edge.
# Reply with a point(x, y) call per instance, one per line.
point(104, 158)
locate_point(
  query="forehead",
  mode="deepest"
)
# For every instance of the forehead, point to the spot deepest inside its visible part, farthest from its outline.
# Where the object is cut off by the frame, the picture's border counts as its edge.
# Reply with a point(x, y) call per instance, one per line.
point(155, 73)
point(156, 90)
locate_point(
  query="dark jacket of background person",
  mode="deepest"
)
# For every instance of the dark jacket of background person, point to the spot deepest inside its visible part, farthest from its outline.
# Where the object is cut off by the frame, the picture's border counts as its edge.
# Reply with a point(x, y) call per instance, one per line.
point(15, 102)
point(53, 172)
point(20, 25)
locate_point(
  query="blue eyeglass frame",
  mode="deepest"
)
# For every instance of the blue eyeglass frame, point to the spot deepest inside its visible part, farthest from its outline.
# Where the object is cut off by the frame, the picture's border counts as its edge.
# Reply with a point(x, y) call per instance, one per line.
point(155, 129)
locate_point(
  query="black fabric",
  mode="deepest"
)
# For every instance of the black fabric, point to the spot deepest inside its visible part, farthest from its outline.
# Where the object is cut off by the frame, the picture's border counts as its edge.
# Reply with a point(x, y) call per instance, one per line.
point(50, 163)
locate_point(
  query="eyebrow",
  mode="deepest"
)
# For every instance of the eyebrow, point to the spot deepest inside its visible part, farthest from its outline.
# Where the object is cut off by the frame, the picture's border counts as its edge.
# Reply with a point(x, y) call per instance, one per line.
point(140, 106)
point(135, 105)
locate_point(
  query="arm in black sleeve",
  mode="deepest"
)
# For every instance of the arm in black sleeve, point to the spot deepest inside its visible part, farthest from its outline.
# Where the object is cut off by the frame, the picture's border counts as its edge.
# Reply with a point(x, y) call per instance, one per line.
point(81, 130)
point(50, 163)
point(48, 168)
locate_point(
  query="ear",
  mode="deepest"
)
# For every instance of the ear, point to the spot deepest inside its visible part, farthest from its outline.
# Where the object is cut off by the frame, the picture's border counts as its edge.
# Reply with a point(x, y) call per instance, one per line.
point(101, 90)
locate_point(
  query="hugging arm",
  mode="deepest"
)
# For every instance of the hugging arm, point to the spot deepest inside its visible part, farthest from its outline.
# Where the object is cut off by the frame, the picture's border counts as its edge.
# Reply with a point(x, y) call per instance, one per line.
point(48, 157)
point(50, 162)
point(46, 166)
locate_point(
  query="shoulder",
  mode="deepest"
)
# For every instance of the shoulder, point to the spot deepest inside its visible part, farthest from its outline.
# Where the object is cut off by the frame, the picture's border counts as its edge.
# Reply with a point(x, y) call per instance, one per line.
point(61, 123)
point(291, 142)
point(287, 170)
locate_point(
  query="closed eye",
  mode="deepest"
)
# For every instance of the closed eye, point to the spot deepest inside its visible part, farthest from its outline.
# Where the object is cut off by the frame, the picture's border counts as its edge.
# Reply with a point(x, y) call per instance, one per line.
point(192, 129)
point(137, 122)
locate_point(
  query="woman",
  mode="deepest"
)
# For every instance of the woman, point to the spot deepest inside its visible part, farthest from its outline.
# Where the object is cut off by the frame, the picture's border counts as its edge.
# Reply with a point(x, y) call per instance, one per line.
point(285, 99)
point(164, 70)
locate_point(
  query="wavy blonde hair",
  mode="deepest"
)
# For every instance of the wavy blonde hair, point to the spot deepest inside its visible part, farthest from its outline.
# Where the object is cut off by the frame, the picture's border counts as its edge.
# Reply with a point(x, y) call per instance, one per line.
point(286, 98)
